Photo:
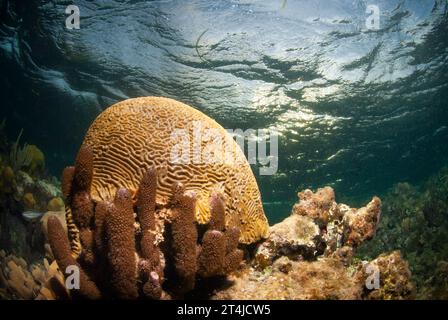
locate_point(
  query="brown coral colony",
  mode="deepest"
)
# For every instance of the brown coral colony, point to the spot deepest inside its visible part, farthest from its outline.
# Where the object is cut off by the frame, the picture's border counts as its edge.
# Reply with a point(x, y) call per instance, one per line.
point(119, 254)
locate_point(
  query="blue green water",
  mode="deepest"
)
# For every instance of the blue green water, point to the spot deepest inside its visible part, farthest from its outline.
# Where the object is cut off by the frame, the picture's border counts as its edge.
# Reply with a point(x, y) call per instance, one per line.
point(356, 109)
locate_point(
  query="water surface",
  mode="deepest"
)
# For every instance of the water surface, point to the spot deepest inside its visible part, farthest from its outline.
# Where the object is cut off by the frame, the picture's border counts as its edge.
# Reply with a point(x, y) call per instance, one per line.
point(356, 109)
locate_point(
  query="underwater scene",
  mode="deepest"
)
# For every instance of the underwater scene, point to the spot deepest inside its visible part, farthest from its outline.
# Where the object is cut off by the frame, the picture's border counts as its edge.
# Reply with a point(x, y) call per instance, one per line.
point(224, 150)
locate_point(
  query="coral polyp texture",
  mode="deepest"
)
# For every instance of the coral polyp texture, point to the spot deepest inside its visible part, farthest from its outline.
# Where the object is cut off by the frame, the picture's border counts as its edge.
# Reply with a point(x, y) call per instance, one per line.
point(139, 226)
point(134, 135)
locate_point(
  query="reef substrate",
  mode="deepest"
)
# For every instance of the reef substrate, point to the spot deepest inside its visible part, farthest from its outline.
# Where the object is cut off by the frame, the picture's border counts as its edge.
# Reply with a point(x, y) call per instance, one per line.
point(415, 221)
point(309, 255)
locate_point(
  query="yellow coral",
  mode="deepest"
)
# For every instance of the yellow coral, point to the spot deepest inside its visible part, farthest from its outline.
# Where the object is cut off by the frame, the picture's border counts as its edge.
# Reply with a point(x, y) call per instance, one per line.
point(55, 204)
point(37, 160)
point(7, 181)
point(28, 201)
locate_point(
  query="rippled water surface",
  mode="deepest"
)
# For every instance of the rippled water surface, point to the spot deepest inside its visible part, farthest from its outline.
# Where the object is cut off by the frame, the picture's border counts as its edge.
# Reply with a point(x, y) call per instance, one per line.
point(356, 109)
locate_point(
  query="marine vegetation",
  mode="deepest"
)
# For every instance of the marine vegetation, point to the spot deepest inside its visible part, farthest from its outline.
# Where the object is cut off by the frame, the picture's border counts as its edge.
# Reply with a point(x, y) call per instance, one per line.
point(415, 222)
point(25, 193)
point(18, 157)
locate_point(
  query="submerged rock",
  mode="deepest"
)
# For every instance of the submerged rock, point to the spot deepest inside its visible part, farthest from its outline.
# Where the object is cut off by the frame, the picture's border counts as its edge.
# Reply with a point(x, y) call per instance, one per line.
point(296, 237)
point(326, 278)
point(318, 225)
point(319, 206)
point(361, 225)
point(394, 278)
point(309, 255)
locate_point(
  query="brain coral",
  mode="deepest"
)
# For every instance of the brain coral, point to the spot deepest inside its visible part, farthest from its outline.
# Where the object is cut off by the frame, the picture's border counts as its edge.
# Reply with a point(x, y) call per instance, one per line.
point(136, 134)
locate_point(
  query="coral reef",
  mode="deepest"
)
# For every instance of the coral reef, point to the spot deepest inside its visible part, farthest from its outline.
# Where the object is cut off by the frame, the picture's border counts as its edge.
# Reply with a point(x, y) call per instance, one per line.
point(156, 231)
point(24, 192)
point(154, 226)
point(43, 226)
point(302, 258)
point(19, 280)
point(216, 255)
point(436, 287)
point(328, 278)
point(415, 222)
point(309, 255)
point(36, 164)
point(61, 249)
point(24, 184)
point(18, 158)
point(110, 235)
point(8, 182)
point(29, 193)
point(24, 196)
point(361, 225)
point(318, 206)
point(296, 237)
